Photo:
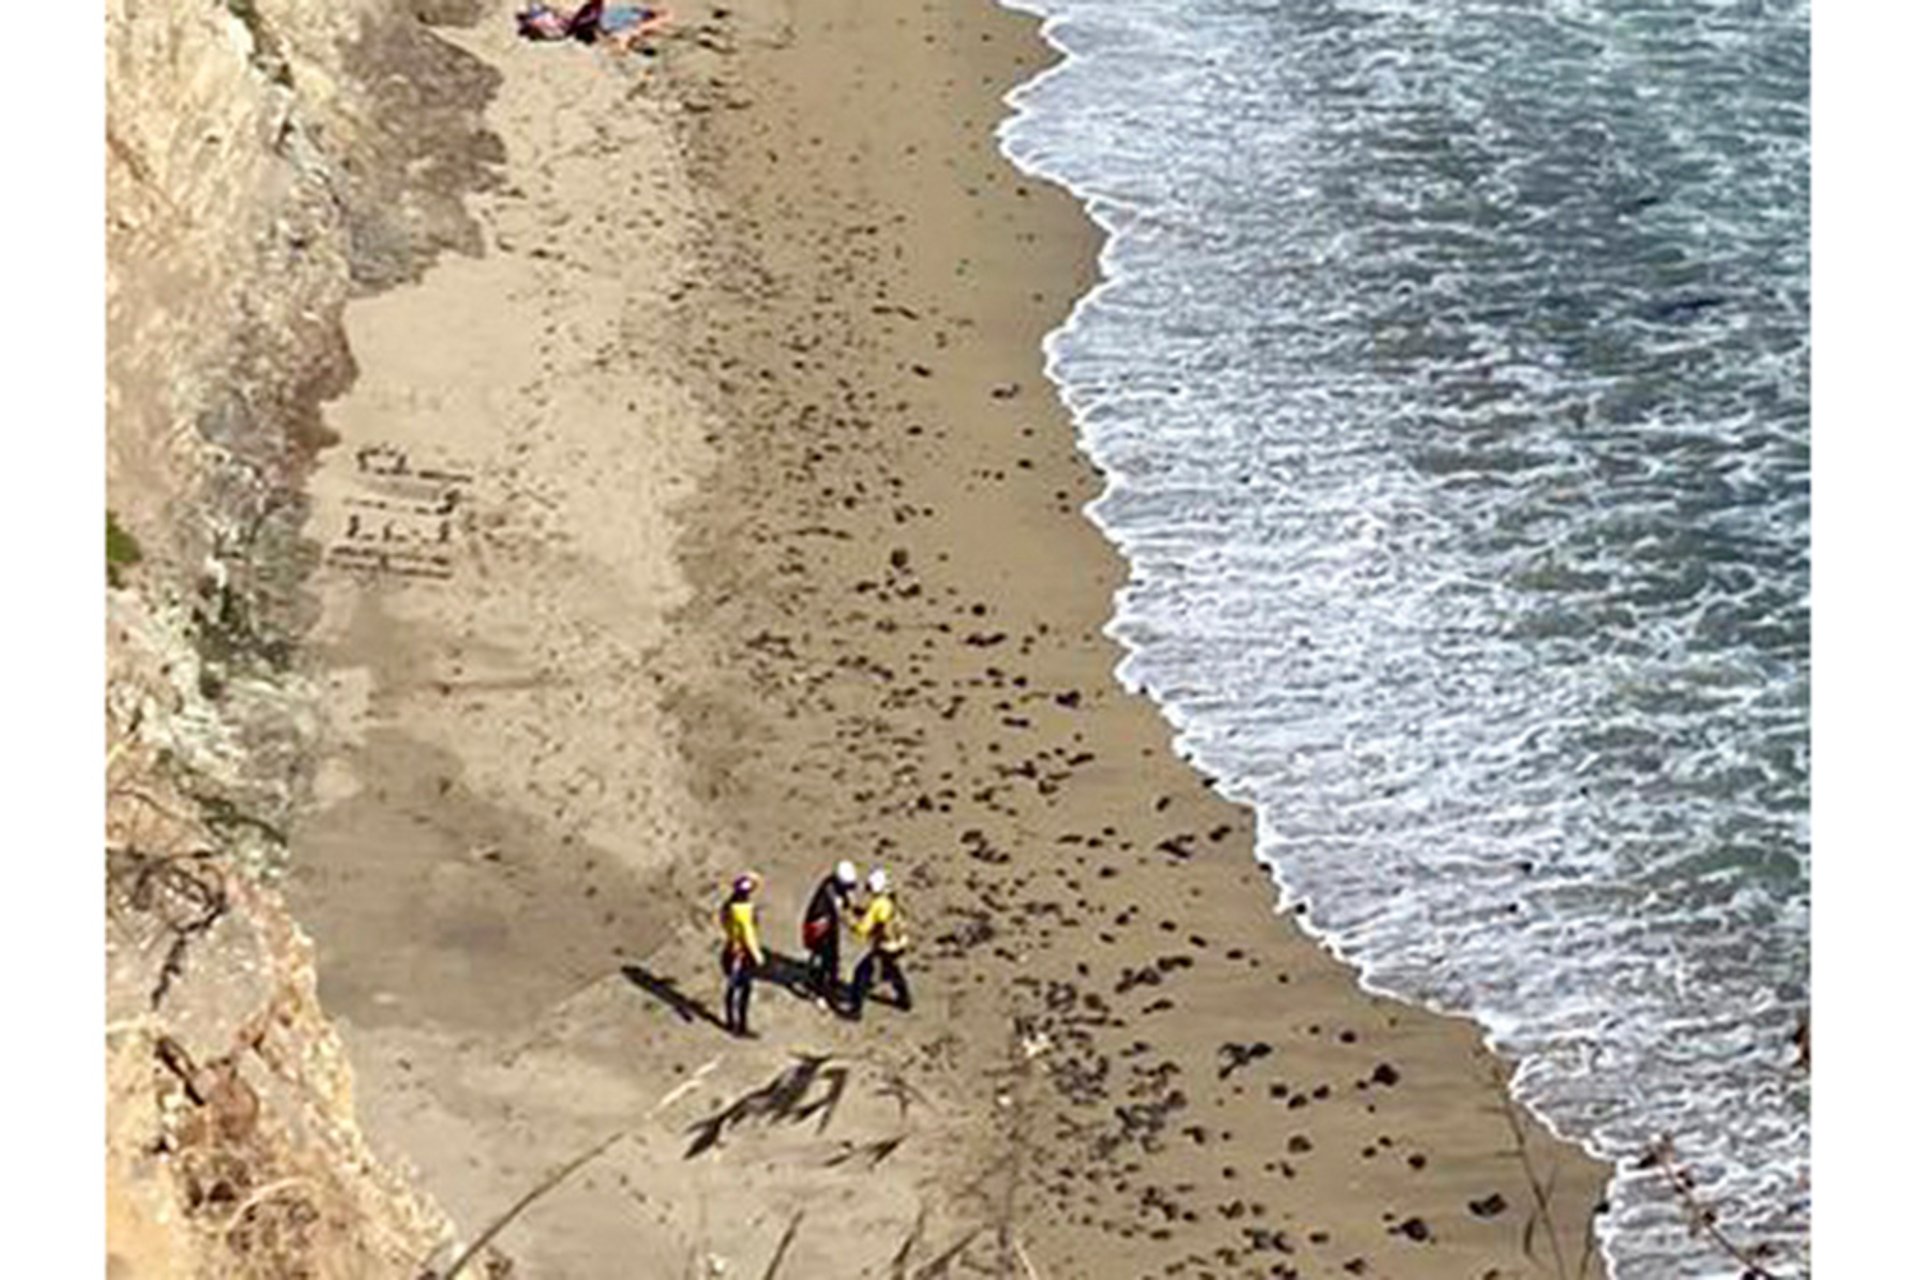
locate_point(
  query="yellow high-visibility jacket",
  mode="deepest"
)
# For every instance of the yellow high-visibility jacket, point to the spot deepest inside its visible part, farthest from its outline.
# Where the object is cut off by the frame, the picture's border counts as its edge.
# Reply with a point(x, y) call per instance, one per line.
point(881, 925)
point(743, 936)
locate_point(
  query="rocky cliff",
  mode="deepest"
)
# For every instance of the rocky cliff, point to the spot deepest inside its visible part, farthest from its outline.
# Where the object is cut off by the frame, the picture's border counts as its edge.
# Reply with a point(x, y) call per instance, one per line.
point(266, 161)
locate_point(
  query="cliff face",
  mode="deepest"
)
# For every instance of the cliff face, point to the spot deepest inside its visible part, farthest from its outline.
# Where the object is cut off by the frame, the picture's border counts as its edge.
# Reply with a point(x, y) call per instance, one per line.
point(263, 161)
point(266, 160)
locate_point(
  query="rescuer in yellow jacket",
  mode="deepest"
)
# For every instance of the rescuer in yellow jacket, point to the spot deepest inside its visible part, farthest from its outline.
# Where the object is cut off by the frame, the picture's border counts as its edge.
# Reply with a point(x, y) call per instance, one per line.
point(740, 954)
point(886, 937)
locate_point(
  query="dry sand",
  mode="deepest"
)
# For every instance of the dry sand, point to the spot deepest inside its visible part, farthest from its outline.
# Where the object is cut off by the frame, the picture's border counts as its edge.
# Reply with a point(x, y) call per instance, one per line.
point(729, 522)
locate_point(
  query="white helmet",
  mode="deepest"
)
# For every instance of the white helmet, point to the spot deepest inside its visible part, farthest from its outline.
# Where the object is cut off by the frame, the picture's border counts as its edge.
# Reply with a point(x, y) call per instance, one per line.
point(846, 874)
point(877, 882)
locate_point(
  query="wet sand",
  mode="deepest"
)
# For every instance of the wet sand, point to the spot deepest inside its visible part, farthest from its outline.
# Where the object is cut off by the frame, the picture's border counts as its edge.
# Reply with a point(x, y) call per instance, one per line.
point(729, 521)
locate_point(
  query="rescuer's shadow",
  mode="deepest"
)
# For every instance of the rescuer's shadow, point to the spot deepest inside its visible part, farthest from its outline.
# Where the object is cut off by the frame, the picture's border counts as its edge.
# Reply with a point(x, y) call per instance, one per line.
point(783, 1098)
point(782, 971)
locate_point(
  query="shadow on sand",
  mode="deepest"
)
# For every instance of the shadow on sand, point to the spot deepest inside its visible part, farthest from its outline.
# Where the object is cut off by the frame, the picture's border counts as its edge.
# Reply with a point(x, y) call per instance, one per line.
point(782, 1098)
point(780, 970)
point(667, 991)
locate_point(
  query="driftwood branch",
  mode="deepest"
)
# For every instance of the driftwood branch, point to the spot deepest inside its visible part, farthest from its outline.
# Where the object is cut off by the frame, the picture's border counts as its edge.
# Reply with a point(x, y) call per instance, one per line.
point(514, 1210)
point(897, 1267)
point(167, 886)
point(260, 1195)
point(780, 1250)
point(1701, 1218)
point(1541, 1215)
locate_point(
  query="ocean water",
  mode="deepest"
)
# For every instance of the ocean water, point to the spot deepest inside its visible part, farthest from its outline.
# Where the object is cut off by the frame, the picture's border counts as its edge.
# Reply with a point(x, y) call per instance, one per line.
point(1450, 378)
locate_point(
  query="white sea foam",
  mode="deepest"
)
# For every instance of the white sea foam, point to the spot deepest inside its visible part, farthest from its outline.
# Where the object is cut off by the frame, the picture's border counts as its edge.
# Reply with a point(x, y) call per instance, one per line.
point(1449, 372)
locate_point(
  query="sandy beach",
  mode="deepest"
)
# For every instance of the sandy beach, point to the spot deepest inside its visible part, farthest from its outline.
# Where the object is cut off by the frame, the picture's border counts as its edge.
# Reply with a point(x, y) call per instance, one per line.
point(718, 515)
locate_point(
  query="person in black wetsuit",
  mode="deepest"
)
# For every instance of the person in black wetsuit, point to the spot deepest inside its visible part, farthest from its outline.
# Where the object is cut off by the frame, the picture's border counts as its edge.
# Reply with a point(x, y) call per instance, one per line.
point(820, 929)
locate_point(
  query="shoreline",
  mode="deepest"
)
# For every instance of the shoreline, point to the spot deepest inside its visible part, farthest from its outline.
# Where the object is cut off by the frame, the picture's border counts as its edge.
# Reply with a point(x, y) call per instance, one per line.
point(1094, 556)
point(1103, 230)
point(871, 627)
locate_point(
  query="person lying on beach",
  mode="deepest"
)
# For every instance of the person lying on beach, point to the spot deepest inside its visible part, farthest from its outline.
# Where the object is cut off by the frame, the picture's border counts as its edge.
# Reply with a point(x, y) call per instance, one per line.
point(622, 26)
point(538, 22)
